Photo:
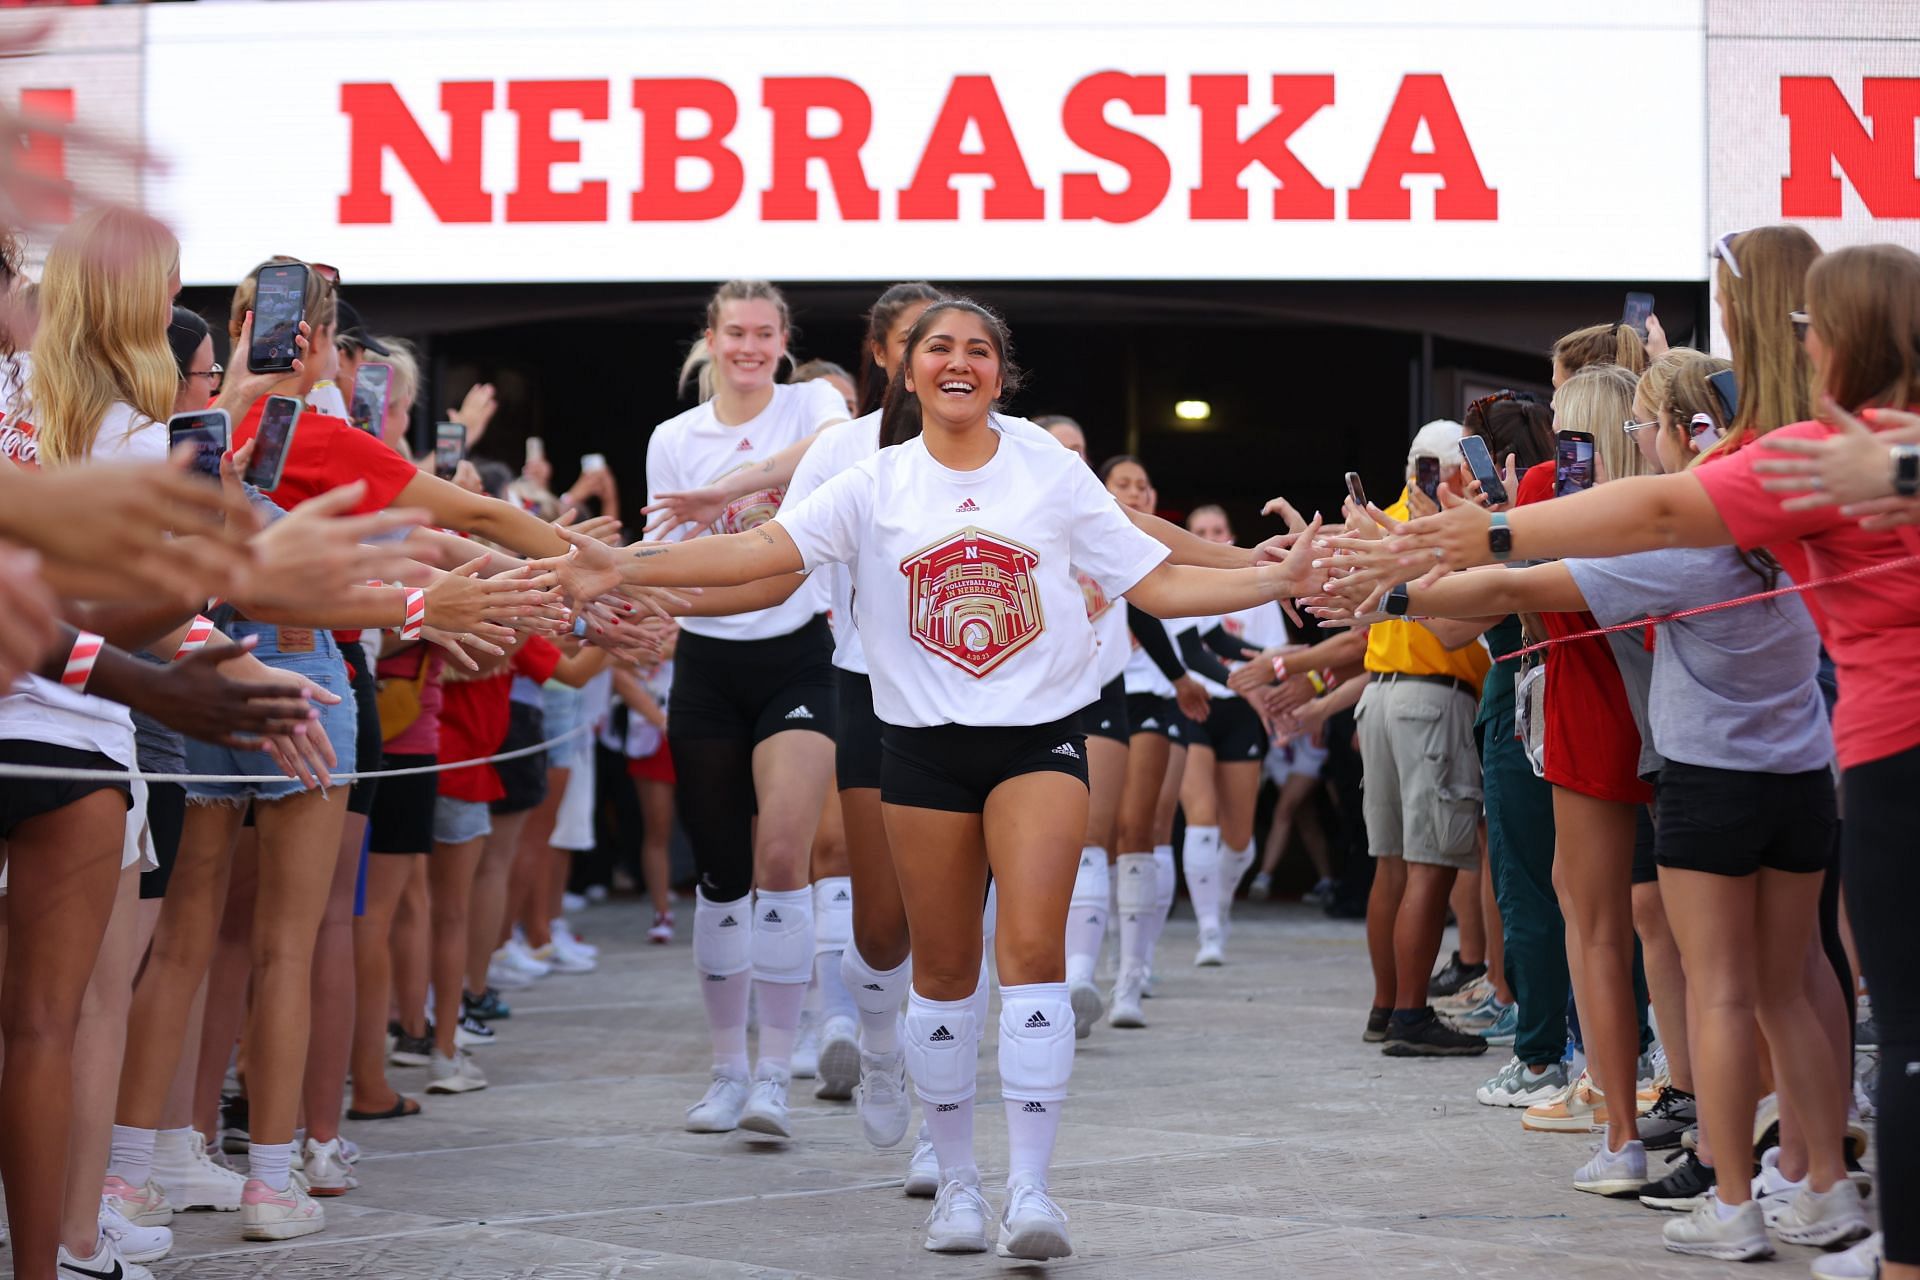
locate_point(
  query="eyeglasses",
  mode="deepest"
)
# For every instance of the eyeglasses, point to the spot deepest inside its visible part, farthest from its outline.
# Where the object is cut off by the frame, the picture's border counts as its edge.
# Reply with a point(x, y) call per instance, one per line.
point(1633, 428)
point(1723, 250)
point(1799, 320)
point(215, 376)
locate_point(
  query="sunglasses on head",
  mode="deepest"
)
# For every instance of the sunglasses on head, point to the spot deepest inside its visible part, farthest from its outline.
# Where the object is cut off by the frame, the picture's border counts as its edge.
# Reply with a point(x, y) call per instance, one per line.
point(1485, 402)
point(1723, 250)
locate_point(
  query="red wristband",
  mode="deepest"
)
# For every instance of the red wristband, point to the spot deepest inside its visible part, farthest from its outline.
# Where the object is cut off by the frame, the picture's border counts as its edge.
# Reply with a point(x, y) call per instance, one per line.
point(199, 631)
point(416, 614)
point(85, 652)
point(1279, 667)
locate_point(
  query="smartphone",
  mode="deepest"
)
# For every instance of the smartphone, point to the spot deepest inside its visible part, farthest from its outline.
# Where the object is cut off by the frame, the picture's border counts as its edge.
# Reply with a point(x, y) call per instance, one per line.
point(449, 447)
point(1572, 462)
point(536, 449)
point(1480, 462)
point(1426, 474)
point(1355, 490)
point(279, 305)
point(207, 430)
point(272, 443)
point(1727, 388)
point(369, 409)
point(1634, 314)
point(594, 462)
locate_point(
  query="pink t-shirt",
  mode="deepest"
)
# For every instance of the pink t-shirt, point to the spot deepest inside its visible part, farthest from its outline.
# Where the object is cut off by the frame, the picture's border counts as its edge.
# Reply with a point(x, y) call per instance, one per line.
point(1871, 626)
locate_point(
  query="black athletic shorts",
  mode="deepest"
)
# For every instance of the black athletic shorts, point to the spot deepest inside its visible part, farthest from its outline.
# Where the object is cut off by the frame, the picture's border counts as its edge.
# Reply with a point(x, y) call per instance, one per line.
point(753, 689)
point(402, 817)
point(1151, 713)
point(1732, 824)
point(1232, 728)
point(166, 815)
point(525, 778)
point(24, 798)
point(366, 742)
point(954, 767)
point(856, 759)
point(1646, 844)
point(1106, 715)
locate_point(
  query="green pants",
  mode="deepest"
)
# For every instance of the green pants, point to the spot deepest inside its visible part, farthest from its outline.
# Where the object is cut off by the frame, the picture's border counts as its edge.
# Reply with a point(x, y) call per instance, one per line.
point(1520, 859)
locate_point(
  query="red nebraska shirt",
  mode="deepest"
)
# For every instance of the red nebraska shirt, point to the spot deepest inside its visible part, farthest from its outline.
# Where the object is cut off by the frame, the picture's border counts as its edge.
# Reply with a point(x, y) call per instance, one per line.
point(328, 452)
point(474, 716)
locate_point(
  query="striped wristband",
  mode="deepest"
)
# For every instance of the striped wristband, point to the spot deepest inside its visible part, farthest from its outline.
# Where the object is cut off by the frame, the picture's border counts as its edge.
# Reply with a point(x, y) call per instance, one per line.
point(416, 614)
point(199, 631)
point(80, 660)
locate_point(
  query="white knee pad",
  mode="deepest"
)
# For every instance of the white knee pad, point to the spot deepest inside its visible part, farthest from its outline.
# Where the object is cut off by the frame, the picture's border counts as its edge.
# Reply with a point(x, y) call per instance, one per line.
point(722, 935)
point(832, 914)
point(783, 935)
point(942, 1042)
point(874, 992)
point(990, 914)
point(1036, 1041)
point(1090, 882)
point(1137, 884)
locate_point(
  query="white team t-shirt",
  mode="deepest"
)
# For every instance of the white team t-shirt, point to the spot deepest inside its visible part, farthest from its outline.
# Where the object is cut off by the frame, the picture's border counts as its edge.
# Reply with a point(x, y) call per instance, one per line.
point(695, 449)
point(964, 587)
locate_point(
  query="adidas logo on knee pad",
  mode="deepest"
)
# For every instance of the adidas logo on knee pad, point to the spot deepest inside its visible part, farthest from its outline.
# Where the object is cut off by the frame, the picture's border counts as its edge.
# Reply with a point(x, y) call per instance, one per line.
point(940, 1036)
point(946, 1106)
point(1035, 1108)
point(841, 895)
point(874, 986)
point(729, 923)
point(1038, 1020)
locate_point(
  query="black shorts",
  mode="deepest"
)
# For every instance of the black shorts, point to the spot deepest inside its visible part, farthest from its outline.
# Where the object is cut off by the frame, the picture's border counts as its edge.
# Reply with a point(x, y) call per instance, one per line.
point(402, 817)
point(1232, 728)
point(1646, 844)
point(1106, 716)
point(366, 743)
point(954, 767)
point(525, 778)
point(753, 689)
point(166, 815)
point(1733, 824)
point(856, 759)
point(22, 799)
point(1151, 713)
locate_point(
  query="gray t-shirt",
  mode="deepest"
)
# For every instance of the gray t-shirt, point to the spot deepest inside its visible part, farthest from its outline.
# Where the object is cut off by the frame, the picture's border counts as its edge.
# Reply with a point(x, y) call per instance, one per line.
point(1732, 689)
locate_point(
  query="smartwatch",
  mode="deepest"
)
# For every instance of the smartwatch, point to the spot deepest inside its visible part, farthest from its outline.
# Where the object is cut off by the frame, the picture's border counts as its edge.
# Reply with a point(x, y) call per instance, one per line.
point(1906, 469)
point(1499, 537)
point(1397, 602)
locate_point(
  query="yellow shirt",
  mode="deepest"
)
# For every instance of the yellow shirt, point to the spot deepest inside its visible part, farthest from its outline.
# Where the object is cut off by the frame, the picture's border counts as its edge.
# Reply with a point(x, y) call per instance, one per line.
point(1411, 649)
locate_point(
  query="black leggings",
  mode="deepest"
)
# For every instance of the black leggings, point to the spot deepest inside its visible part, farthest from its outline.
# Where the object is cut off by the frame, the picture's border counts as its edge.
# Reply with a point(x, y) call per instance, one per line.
point(1882, 876)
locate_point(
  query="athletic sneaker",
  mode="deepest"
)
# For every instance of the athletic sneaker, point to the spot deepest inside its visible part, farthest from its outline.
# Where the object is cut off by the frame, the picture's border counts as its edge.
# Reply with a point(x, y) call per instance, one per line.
point(1032, 1227)
point(1479, 1016)
point(1613, 1173)
point(1321, 894)
point(565, 937)
point(571, 902)
point(458, 1074)
point(1581, 1109)
point(1506, 1028)
point(766, 1109)
point(923, 1167)
point(135, 1243)
point(719, 1111)
point(1515, 1085)
point(234, 1138)
point(1212, 952)
point(1088, 1008)
point(1452, 976)
point(485, 1007)
point(662, 931)
point(1376, 1025)
point(266, 1214)
point(1824, 1219)
point(1127, 995)
point(881, 1097)
point(191, 1178)
point(1681, 1189)
point(561, 957)
point(839, 1059)
point(958, 1222)
point(406, 1050)
point(1261, 890)
point(1862, 1262)
point(107, 1263)
point(520, 956)
point(1471, 996)
point(1709, 1232)
point(804, 1062)
point(327, 1170)
point(1772, 1188)
point(471, 1033)
point(145, 1205)
point(507, 976)
point(1425, 1036)
point(1672, 1114)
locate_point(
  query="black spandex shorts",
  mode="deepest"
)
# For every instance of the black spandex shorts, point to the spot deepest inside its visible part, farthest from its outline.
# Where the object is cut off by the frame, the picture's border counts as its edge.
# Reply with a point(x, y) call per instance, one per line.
point(525, 778)
point(402, 817)
point(1646, 845)
point(1151, 713)
point(1232, 728)
point(1106, 716)
point(753, 689)
point(856, 760)
point(24, 798)
point(1733, 824)
point(166, 815)
point(954, 767)
point(366, 743)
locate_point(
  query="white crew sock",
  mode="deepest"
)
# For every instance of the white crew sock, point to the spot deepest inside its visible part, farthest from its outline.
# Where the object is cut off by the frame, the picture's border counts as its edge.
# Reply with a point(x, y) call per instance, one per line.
point(272, 1164)
point(723, 956)
point(779, 1006)
point(132, 1158)
point(1234, 864)
point(1087, 915)
point(1203, 862)
point(1167, 884)
point(1137, 890)
point(726, 998)
point(832, 935)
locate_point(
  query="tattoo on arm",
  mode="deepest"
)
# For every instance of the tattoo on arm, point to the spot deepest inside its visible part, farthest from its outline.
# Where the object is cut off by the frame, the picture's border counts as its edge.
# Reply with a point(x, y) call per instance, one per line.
point(643, 552)
point(766, 537)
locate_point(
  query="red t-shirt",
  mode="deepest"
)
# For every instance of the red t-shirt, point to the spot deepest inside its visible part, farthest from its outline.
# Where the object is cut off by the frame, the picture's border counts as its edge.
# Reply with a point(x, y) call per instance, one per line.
point(328, 452)
point(1871, 626)
point(1592, 743)
point(474, 716)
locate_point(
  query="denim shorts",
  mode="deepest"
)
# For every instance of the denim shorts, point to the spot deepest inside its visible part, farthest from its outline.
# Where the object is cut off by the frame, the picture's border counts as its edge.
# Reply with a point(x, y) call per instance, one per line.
point(314, 656)
point(458, 821)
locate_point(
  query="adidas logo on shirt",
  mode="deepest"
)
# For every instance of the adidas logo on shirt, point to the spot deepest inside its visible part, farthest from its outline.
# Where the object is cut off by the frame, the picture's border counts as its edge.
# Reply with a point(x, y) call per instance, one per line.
point(940, 1036)
point(1038, 1020)
point(967, 504)
point(800, 713)
point(1035, 1108)
point(772, 916)
point(1066, 749)
point(745, 446)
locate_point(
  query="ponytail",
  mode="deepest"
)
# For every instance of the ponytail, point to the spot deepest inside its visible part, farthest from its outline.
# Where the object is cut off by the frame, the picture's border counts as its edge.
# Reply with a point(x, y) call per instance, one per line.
point(698, 368)
point(1601, 344)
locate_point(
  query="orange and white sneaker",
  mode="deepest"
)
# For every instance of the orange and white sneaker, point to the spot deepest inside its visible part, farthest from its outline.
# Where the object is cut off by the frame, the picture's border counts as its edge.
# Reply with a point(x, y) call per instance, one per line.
point(1581, 1109)
point(144, 1206)
point(266, 1214)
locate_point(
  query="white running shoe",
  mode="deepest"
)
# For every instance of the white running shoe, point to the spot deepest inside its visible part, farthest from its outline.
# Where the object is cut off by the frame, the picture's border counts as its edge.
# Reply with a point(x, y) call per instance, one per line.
point(521, 957)
point(662, 931)
point(1773, 1189)
point(1088, 1006)
point(1127, 994)
point(1824, 1219)
point(571, 902)
point(1033, 1227)
point(564, 935)
point(107, 1263)
point(719, 1111)
point(839, 1064)
point(804, 1064)
point(471, 1033)
point(1515, 1085)
point(1213, 949)
point(266, 1214)
point(136, 1244)
point(506, 975)
point(562, 958)
point(145, 1205)
point(1862, 1262)
point(923, 1167)
point(1706, 1234)
point(458, 1074)
point(191, 1178)
point(766, 1110)
point(327, 1170)
point(1613, 1173)
point(958, 1223)
point(881, 1098)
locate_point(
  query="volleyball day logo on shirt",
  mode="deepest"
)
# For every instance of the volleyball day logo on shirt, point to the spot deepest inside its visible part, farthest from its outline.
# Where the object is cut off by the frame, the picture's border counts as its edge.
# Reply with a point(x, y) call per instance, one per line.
point(750, 511)
point(974, 599)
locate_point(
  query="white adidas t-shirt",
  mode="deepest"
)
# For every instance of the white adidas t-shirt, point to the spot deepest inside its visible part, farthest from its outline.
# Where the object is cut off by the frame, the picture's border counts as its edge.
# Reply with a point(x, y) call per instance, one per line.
point(695, 449)
point(964, 587)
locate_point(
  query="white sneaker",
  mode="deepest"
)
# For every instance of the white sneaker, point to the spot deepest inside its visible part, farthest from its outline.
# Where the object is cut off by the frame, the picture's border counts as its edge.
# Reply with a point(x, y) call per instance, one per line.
point(923, 1167)
point(839, 1064)
point(136, 1244)
point(719, 1111)
point(561, 958)
point(327, 1170)
point(266, 1214)
point(1613, 1173)
point(881, 1098)
point(1706, 1234)
point(1824, 1218)
point(1862, 1262)
point(506, 975)
point(564, 935)
point(521, 957)
point(471, 1033)
point(1088, 1006)
point(766, 1109)
point(145, 1205)
point(458, 1074)
point(1213, 949)
point(958, 1223)
point(107, 1263)
point(571, 902)
point(804, 1064)
point(191, 1178)
point(1515, 1085)
point(1772, 1189)
point(1127, 994)
point(1033, 1226)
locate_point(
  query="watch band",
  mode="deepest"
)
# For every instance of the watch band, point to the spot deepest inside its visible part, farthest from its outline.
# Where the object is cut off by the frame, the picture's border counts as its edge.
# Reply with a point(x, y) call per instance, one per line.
point(1906, 470)
point(1499, 537)
point(1397, 601)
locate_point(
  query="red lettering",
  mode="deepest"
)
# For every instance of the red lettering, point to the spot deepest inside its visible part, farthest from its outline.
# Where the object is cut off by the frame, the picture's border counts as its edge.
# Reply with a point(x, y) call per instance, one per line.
point(1084, 116)
point(788, 198)
point(1224, 155)
point(379, 122)
point(1823, 132)
point(533, 198)
point(660, 197)
point(1464, 195)
point(1012, 197)
point(42, 153)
